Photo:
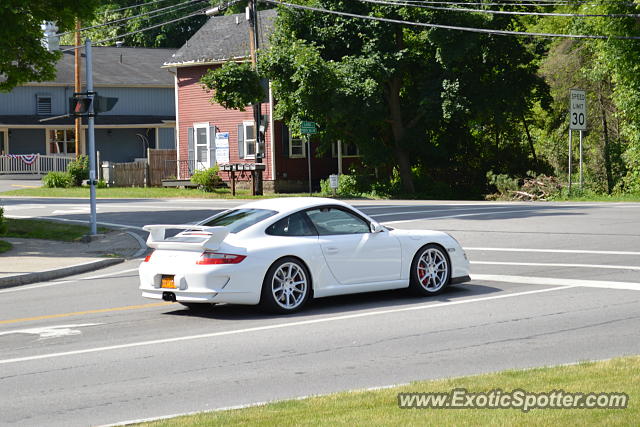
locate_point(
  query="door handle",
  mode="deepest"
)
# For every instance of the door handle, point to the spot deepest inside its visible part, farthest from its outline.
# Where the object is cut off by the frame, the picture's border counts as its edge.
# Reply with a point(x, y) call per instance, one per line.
point(332, 250)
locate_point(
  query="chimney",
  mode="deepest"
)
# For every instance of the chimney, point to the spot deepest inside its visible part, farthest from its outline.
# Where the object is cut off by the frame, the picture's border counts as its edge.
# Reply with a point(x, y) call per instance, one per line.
point(51, 41)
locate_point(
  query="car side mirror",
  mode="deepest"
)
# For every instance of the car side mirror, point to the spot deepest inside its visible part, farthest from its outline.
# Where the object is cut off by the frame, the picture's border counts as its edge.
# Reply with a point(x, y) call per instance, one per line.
point(376, 228)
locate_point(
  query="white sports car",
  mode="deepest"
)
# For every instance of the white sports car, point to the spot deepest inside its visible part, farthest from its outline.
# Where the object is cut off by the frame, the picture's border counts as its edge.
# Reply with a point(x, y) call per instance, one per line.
point(280, 252)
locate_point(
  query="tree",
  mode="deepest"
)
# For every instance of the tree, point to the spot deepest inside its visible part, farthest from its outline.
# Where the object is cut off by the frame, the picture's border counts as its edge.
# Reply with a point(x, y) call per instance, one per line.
point(22, 56)
point(126, 21)
point(408, 96)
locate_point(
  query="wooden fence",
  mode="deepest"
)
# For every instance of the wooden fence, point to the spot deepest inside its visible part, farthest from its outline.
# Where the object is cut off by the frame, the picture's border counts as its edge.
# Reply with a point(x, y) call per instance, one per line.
point(159, 165)
point(129, 174)
point(162, 165)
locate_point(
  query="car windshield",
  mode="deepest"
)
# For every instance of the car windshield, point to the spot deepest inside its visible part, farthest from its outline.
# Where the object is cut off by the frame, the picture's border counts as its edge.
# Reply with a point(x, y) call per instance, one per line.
point(238, 219)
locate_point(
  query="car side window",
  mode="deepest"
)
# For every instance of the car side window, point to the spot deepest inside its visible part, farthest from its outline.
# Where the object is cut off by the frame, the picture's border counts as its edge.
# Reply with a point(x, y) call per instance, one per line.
point(330, 220)
point(293, 225)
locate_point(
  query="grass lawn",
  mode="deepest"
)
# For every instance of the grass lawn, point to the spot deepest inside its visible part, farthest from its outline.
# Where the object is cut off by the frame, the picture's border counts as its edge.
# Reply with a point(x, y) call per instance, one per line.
point(380, 407)
point(5, 246)
point(578, 196)
point(48, 230)
point(142, 193)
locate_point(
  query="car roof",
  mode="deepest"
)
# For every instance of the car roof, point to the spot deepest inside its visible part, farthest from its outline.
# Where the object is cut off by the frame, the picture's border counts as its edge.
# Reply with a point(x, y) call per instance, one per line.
point(290, 204)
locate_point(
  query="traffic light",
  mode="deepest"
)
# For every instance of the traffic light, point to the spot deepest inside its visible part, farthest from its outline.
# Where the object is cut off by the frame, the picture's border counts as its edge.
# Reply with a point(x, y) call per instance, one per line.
point(80, 104)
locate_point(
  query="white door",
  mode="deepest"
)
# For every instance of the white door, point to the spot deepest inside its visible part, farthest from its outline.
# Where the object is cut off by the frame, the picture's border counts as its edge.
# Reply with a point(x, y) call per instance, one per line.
point(354, 254)
point(204, 145)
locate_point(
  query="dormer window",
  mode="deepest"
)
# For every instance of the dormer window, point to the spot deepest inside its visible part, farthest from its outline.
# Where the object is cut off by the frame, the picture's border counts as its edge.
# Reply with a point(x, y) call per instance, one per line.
point(43, 105)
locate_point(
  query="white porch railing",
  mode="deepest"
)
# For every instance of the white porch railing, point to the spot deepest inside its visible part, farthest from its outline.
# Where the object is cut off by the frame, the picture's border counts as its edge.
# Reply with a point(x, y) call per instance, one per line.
point(35, 164)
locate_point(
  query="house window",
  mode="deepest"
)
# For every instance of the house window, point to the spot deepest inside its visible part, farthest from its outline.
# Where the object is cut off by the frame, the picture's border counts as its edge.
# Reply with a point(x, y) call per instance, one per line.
point(43, 105)
point(348, 150)
point(61, 141)
point(249, 140)
point(297, 147)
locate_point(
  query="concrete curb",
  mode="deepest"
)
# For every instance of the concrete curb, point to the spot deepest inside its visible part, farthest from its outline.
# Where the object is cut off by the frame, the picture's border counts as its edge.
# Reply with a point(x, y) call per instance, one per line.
point(43, 276)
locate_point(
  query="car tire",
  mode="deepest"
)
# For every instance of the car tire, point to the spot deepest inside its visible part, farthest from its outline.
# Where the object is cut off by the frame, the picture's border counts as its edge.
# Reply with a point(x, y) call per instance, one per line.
point(430, 270)
point(286, 286)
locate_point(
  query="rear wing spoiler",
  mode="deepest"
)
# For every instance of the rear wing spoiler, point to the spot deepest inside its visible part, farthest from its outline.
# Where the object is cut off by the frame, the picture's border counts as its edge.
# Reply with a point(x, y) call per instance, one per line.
point(202, 238)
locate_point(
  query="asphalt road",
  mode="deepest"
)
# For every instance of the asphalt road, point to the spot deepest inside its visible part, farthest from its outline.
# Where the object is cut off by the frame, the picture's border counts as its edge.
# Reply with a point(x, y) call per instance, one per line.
point(552, 283)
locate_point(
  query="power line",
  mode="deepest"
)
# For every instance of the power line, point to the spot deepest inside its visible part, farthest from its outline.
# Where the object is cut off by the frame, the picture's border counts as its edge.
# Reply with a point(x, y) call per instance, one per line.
point(199, 12)
point(514, 3)
point(505, 12)
point(134, 6)
point(450, 27)
point(128, 18)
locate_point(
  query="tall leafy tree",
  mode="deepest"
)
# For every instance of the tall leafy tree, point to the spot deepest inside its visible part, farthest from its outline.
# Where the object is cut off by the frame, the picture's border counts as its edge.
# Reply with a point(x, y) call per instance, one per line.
point(127, 19)
point(410, 97)
point(23, 58)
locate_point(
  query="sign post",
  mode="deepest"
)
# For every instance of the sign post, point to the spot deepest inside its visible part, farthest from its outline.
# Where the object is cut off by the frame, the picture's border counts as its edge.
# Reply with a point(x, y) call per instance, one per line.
point(577, 121)
point(308, 128)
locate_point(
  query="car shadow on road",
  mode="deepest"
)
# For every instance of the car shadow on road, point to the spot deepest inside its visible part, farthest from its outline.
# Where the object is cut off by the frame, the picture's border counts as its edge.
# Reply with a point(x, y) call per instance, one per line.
point(340, 305)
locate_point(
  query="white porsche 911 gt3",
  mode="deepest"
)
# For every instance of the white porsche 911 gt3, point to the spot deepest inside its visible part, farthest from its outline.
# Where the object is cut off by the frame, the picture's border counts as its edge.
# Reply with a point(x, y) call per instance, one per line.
point(280, 252)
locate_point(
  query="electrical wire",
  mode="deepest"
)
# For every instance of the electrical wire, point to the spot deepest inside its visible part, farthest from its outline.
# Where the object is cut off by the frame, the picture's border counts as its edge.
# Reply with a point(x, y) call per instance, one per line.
point(505, 12)
point(134, 6)
point(128, 18)
point(515, 3)
point(450, 27)
point(199, 12)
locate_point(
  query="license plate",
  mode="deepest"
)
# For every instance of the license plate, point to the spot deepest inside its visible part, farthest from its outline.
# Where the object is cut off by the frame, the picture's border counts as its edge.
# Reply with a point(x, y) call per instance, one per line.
point(167, 282)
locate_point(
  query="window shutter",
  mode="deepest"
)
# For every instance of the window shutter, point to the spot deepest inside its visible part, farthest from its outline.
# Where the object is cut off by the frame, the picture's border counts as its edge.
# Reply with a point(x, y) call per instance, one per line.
point(241, 141)
point(191, 152)
point(285, 140)
point(212, 146)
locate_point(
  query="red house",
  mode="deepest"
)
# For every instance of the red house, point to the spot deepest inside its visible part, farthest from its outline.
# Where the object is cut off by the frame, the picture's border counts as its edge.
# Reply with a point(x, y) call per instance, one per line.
point(209, 134)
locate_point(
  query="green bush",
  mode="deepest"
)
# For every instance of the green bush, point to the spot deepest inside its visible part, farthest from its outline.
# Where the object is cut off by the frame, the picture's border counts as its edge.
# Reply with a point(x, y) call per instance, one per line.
point(207, 179)
point(79, 170)
point(3, 222)
point(347, 187)
point(503, 183)
point(101, 184)
point(57, 180)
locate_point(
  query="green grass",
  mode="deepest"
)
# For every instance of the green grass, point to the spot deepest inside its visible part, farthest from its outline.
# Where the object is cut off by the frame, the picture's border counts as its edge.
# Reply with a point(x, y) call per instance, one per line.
point(141, 193)
point(47, 230)
point(5, 246)
point(588, 196)
point(377, 408)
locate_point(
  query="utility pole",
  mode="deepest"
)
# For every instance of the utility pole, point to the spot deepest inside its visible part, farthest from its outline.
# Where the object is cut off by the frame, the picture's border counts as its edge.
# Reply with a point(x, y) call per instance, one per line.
point(252, 16)
point(78, 85)
point(91, 148)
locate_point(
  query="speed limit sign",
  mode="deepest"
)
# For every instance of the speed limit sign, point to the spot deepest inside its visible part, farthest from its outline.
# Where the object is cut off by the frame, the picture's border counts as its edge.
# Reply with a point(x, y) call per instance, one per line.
point(577, 110)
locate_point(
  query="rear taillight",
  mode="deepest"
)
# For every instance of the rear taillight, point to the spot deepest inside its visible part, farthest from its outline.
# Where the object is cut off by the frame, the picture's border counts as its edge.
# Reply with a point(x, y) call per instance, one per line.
point(148, 257)
point(213, 258)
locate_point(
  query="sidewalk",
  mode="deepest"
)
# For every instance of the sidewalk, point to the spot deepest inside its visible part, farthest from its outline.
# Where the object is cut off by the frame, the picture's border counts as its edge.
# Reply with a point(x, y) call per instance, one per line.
point(34, 260)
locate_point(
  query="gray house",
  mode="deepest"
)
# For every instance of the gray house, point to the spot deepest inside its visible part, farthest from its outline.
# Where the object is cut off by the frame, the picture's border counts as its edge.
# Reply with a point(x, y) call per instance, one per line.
point(144, 116)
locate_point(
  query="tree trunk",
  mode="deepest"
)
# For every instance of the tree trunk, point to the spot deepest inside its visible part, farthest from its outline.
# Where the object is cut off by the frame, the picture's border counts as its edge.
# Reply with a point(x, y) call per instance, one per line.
point(399, 131)
point(606, 145)
point(526, 129)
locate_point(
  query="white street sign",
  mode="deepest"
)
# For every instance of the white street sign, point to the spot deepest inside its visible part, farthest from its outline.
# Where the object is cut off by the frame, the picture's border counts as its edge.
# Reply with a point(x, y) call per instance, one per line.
point(577, 110)
point(333, 181)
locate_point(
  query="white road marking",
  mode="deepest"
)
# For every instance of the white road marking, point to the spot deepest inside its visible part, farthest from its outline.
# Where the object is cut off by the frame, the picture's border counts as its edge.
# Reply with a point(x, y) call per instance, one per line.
point(279, 326)
point(553, 251)
point(551, 264)
point(52, 331)
point(458, 216)
point(551, 281)
point(457, 209)
point(108, 224)
point(48, 284)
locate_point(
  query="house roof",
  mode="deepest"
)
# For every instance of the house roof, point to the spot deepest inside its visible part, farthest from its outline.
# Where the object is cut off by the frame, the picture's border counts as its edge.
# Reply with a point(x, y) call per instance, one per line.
point(117, 66)
point(222, 38)
point(106, 119)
